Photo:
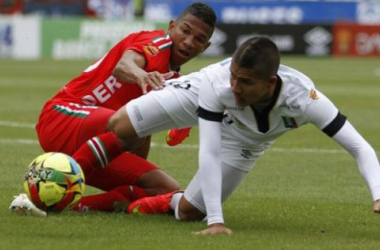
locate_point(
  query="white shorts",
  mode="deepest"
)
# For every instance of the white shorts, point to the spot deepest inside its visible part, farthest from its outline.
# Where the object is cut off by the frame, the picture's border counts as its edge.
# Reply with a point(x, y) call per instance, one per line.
point(175, 106)
point(238, 158)
point(231, 178)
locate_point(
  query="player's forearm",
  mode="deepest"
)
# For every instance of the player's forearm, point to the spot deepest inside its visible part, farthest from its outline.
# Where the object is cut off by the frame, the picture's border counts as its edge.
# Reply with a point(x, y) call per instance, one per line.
point(211, 188)
point(364, 155)
point(210, 169)
point(128, 72)
point(130, 67)
point(370, 170)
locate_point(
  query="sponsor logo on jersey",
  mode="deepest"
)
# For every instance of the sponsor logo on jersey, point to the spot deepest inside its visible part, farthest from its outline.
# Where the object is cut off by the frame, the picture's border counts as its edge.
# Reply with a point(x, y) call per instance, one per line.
point(313, 95)
point(137, 113)
point(246, 153)
point(151, 50)
point(293, 106)
point(102, 92)
point(296, 106)
point(289, 122)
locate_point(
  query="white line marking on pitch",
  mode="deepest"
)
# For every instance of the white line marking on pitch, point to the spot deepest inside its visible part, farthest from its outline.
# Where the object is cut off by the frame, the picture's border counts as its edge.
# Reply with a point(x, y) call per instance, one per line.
point(184, 146)
point(195, 147)
point(16, 124)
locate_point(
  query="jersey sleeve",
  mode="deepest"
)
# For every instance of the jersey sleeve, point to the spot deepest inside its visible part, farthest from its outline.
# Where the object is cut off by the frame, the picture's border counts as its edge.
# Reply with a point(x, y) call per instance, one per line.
point(210, 107)
point(321, 112)
point(210, 113)
point(155, 46)
point(210, 169)
point(364, 155)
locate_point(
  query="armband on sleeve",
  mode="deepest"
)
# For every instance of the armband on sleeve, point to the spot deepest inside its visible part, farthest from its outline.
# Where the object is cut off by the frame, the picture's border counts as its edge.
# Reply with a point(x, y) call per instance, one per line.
point(335, 125)
point(209, 116)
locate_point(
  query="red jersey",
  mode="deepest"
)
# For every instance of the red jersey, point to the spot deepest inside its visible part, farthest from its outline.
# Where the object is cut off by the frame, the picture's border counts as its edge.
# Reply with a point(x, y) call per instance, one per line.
point(96, 86)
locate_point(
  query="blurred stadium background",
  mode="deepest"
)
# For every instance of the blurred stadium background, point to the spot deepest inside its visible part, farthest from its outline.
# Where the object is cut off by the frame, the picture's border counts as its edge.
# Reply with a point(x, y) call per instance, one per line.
point(85, 29)
point(305, 193)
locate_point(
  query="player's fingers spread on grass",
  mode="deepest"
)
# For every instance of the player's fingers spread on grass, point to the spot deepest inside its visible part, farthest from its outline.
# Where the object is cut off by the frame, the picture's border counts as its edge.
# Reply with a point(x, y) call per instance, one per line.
point(214, 231)
point(203, 232)
point(376, 206)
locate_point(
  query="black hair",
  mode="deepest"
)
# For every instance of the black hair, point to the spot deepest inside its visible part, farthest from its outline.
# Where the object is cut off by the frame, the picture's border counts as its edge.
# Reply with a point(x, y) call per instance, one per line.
point(202, 11)
point(260, 54)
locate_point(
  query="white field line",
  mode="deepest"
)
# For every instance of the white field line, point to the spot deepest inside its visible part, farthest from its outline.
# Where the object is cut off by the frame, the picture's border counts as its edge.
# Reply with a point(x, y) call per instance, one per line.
point(18, 141)
point(16, 124)
point(157, 145)
point(195, 147)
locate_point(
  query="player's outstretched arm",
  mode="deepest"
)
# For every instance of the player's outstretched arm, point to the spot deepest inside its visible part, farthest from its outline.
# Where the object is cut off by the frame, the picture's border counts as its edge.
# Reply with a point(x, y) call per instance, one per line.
point(130, 68)
point(365, 157)
point(215, 229)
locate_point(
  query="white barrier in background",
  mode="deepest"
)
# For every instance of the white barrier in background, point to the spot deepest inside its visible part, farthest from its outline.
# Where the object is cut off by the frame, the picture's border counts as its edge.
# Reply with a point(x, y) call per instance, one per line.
point(20, 37)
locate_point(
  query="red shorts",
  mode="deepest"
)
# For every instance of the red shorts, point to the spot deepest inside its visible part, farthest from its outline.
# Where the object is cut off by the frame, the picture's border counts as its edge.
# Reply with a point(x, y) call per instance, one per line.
point(64, 127)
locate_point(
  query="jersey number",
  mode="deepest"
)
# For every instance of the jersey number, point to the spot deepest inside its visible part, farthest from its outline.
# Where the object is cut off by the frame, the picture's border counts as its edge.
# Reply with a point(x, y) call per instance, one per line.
point(179, 84)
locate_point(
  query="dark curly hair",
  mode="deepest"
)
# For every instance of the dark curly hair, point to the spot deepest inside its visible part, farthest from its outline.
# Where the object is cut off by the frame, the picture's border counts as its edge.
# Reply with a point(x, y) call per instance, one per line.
point(202, 11)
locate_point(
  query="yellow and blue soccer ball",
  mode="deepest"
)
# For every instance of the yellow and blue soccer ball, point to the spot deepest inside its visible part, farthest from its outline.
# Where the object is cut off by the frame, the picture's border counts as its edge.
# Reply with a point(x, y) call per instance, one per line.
point(54, 182)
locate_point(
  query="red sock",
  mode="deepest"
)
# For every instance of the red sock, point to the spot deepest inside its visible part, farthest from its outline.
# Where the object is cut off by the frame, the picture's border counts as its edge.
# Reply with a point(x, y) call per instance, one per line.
point(98, 152)
point(106, 202)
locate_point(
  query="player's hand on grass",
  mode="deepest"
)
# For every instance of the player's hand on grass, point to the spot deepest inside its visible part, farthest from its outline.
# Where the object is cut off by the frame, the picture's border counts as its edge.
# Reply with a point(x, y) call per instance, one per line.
point(376, 206)
point(215, 229)
point(153, 79)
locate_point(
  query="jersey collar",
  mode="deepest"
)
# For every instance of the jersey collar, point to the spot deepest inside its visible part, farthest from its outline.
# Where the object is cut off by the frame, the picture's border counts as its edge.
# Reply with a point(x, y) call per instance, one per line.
point(262, 116)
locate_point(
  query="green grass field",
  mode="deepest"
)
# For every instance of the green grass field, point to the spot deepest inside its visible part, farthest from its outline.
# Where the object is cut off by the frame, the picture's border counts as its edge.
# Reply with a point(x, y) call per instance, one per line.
point(304, 193)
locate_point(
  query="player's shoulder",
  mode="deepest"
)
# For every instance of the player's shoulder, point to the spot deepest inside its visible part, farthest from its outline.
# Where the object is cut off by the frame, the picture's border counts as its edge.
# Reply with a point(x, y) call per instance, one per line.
point(155, 37)
point(152, 43)
point(297, 89)
point(294, 80)
point(151, 33)
point(218, 72)
point(293, 75)
point(218, 79)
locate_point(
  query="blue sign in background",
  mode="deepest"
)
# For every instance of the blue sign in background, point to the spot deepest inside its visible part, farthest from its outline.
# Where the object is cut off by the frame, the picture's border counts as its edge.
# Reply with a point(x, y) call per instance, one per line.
point(271, 12)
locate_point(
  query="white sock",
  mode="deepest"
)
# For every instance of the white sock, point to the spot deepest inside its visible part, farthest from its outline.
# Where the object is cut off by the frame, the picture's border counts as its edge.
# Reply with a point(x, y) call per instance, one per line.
point(174, 204)
point(176, 214)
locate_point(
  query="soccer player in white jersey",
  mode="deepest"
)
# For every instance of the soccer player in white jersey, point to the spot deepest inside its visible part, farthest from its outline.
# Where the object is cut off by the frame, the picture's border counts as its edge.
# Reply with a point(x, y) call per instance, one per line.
point(245, 103)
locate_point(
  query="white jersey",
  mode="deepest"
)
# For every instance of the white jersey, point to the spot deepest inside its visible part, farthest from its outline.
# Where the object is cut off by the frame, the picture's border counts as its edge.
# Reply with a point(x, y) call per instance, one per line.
point(244, 133)
point(296, 103)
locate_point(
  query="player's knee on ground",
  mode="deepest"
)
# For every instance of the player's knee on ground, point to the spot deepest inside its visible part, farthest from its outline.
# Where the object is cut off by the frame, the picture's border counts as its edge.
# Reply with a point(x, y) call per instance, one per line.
point(187, 212)
point(157, 182)
point(120, 124)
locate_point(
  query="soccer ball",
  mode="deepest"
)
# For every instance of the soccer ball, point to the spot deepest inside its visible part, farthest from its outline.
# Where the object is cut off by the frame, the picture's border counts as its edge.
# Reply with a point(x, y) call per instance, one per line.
point(54, 182)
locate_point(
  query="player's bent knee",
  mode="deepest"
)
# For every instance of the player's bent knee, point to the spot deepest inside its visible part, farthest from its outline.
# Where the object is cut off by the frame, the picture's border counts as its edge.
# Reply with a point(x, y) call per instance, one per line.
point(187, 212)
point(157, 182)
point(193, 216)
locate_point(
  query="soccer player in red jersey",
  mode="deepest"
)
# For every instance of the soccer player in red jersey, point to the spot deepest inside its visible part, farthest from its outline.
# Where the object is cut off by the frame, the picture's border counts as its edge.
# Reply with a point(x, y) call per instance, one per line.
point(80, 111)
